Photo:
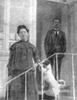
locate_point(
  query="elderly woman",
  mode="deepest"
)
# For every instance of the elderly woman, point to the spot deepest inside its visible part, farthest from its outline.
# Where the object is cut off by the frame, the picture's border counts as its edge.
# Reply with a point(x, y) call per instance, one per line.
point(21, 58)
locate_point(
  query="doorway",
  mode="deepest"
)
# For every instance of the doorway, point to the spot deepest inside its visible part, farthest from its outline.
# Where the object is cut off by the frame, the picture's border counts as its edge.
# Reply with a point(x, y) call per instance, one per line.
point(46, 11)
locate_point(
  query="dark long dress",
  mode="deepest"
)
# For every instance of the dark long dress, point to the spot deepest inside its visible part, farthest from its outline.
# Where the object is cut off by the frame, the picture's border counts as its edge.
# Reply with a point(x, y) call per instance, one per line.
point(21, 58)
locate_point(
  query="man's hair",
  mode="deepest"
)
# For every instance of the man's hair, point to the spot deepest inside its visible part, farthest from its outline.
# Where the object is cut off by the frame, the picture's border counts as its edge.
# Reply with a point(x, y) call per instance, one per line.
point(57, 19)
point(20, 27)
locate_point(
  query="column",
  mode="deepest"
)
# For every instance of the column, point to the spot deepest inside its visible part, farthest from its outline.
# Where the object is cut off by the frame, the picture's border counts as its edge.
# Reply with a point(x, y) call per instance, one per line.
point(6, 24)
point(33, 32)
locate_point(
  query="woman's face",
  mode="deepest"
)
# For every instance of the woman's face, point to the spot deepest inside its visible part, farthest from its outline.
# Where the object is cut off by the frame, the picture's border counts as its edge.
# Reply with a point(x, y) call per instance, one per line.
point(23, 34)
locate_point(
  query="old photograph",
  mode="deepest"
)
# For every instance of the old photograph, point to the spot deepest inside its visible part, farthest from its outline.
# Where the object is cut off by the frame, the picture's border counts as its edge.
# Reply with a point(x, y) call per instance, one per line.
point(38, 49)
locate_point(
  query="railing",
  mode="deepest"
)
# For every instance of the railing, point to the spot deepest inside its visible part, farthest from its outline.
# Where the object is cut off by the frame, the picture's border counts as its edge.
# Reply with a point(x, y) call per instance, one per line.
point(25, 73)
point(73, 71)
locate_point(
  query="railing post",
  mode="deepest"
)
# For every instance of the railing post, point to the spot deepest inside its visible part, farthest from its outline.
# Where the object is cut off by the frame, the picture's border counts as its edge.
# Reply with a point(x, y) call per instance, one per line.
point(56, 71)
point(25, 86)
point(73, 76)
point(7, 92)
point(42, 81)
point(57, 66)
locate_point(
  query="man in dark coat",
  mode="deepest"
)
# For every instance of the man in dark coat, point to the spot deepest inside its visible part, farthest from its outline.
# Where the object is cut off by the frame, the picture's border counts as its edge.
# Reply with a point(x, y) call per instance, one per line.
point(21, 58)
point(55, 42)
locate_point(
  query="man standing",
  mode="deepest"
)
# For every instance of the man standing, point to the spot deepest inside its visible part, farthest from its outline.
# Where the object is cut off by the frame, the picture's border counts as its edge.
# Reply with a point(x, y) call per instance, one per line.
point(55, 42)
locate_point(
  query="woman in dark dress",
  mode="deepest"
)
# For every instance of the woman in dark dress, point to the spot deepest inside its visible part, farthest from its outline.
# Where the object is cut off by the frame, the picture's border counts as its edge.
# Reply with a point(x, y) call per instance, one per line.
point(21, 58)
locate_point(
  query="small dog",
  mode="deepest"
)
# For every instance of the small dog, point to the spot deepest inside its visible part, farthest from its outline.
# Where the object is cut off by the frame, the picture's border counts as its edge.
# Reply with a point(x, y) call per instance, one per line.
point(48, 78)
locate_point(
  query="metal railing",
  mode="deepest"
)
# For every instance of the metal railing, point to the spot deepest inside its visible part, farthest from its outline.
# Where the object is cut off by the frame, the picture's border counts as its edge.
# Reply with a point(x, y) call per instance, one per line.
point(24, 73)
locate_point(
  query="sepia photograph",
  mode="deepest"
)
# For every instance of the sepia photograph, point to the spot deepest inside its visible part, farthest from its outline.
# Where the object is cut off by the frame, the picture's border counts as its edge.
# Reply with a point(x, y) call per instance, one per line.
point(38, 49)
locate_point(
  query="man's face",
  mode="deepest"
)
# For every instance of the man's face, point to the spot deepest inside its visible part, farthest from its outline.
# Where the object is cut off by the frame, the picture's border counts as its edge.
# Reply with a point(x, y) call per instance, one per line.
point(56, 24)
point(23, 34)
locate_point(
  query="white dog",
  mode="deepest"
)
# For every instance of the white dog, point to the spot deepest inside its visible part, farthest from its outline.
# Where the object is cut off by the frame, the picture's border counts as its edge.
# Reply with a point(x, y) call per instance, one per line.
point(54, 87)
point(48, 77)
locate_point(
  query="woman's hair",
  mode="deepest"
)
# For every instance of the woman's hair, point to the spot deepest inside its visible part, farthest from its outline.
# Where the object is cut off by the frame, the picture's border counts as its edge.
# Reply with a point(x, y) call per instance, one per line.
point(20, 27)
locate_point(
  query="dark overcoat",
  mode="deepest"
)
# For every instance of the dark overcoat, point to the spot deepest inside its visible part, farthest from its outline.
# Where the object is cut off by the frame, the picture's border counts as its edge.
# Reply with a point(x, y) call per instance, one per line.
point(54, 44)
point(21, 58)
